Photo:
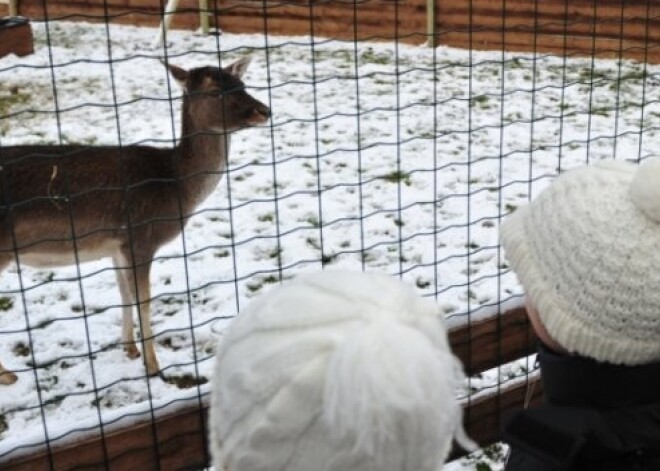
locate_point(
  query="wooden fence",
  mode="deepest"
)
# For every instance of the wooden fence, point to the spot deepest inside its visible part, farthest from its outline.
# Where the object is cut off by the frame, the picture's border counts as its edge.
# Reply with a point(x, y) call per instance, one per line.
point(610, 28)
point(178, 441)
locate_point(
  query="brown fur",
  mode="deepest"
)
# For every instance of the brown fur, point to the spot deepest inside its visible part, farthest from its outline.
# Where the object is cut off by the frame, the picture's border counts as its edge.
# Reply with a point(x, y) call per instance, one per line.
point(62, 205)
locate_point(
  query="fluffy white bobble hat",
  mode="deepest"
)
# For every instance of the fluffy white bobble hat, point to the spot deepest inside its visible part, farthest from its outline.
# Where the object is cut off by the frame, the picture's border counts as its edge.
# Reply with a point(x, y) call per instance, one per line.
point(587, 252)
point(336, 371)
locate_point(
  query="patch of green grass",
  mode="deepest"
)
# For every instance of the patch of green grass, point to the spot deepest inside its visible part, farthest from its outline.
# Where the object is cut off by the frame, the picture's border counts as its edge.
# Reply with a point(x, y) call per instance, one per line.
point(422, 283)
point(275, 252)
point(55, 401)
point(268, 217)
point(328, 258)
point(221, 254)
point(396, 177)
point(271, 279)
point(597, 75)
point(341, 55)
point(6, 303)
point(601, 111)
point(313, 242)
point(169, 300)
point(313, 221)
point(21, 350)
point(481, 100)
point(254, 286)
point(3, 424)
point(186, 381)
point(10, 102)
point(515, 63)
point(637, 74)
point(167, 343)
point(372, 57)
point(368, 257)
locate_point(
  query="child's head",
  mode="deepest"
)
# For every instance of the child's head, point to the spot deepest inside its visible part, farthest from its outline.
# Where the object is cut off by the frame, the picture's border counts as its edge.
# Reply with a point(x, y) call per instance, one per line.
point(336, 371)
point(587, 252)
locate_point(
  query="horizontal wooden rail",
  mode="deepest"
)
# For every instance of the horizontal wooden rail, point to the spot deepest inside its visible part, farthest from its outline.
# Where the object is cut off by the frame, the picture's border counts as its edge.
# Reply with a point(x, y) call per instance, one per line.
point(484, 345)
point(178, 441)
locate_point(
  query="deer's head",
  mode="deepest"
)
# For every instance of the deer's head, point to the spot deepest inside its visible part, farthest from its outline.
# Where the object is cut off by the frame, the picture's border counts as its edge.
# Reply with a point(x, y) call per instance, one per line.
point(215, 98)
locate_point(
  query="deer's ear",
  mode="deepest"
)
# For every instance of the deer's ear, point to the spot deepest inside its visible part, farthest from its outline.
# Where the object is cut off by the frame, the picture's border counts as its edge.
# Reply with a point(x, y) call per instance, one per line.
point(178, 74)
point(238, 68)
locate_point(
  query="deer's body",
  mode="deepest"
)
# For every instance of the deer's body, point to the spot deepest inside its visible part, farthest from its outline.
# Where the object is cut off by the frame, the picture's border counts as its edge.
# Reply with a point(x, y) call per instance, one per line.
point(63, 205)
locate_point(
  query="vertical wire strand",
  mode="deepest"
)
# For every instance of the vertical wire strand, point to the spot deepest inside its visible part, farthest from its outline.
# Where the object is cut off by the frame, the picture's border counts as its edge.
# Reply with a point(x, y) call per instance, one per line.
point(435, 149)
point(532, 119)
point(619, 77)
point(317, 150)
point(500, 171)
point(358, 125)
point(592, 79)
point(399, 190)
point(24, 302)
point(562, 108)
point(468, 235)
point(182, 219)
point(645, 76)
point(58, 124)
point(129, 223)
point(230, 203)
point(273, 154)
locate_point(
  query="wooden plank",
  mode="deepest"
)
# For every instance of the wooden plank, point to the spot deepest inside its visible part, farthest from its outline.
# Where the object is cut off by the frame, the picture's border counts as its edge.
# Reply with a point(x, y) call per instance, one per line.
point(15, 37)
point(483, 419)
point(630, 28)
point(180, 438)
point(492, 342)
point(554, 7)
point(176, 442)
point(554, 44)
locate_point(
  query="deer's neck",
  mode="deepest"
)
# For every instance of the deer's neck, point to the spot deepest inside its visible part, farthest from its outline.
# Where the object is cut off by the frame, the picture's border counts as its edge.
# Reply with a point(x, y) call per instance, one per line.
point(202, 159)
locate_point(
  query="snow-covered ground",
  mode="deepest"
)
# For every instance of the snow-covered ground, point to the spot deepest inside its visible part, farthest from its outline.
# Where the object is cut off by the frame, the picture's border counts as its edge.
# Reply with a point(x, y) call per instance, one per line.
point(385, 157)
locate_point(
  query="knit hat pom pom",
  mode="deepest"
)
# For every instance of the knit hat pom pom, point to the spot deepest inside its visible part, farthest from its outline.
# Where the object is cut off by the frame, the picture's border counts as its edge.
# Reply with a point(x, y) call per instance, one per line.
point(645, 189)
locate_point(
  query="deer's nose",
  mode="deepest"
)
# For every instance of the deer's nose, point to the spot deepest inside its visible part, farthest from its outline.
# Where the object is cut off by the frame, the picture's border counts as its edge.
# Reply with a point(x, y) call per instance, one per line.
point(260, 114)
point(264, 111)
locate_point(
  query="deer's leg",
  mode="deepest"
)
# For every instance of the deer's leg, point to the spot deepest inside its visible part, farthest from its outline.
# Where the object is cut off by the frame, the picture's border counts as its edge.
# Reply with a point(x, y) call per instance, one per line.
point(6, 376)
point(127, 291)
point(144, 313)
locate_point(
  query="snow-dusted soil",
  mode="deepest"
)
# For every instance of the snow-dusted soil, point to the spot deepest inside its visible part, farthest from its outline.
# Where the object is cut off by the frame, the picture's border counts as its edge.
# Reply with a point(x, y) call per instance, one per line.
point(385, 157)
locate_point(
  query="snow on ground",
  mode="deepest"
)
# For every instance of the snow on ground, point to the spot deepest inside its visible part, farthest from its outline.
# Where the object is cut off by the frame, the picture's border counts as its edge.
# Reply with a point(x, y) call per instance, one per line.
point(406, 169)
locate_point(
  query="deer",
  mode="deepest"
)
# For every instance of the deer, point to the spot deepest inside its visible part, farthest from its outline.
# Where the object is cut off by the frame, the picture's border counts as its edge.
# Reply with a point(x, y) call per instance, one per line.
point(66, 204)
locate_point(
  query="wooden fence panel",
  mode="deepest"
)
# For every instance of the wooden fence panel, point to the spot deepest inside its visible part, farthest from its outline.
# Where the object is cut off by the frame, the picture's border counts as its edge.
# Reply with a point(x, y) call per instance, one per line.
point(610, 28)
point(613, 28)
point(178, 441)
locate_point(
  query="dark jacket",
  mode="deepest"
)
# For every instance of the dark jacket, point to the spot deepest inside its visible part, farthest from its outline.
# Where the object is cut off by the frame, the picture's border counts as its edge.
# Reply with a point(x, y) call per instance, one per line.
point(595, 417)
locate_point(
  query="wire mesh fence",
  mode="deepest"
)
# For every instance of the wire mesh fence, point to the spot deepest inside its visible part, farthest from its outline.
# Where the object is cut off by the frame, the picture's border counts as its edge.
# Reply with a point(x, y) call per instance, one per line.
point(380, 155)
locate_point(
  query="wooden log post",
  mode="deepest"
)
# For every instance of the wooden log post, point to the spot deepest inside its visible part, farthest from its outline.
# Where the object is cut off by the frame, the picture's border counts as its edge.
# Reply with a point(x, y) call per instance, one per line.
point(15, 37)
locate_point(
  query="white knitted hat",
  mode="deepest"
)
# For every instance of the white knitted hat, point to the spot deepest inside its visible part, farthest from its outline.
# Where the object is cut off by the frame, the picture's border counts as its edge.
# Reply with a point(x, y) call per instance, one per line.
point(587, 252)
point(335, 371)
